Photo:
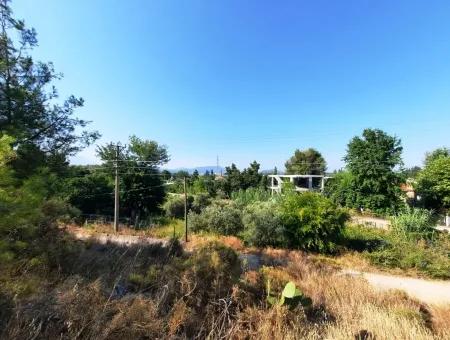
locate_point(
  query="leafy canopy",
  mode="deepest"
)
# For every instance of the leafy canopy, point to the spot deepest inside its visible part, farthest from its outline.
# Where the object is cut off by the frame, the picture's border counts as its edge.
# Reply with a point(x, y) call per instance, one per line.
point(29, 111)
point(433, 182)
point(306, 162)
point(372, 160)
point(141, 183)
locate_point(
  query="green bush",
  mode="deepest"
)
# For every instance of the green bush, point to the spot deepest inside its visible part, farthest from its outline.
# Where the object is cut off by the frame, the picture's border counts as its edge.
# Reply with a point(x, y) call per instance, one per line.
point(221, 217)
point(201, 201)
point(250, 195)
point(262, 225)
point(361, 238)
point(311, 221)
point(174, 206)
point(215, 263)
point(393, 250)
point(430, 258)
point(413, 223)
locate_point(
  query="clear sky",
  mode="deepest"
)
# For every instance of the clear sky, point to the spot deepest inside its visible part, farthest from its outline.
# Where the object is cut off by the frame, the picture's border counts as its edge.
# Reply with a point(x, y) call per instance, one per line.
point(252, 80)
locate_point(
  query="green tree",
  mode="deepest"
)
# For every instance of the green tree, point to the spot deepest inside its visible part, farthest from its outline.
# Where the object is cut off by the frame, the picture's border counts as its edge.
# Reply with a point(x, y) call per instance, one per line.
point(433, 183)
point(166, 174)
point(42, 128)
point(341, 189)
point(141, 186)
point(306, 162)
point(236, 180)
point(372, 161)
point(233, 179)
point(89, 190)
point(435, 154)
point(26, 212)
point(251, 177)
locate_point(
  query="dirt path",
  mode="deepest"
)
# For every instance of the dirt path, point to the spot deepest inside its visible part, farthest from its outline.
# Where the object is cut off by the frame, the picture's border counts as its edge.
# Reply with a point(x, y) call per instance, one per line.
point(428, 291)
point(119, 239)
point(371, 222)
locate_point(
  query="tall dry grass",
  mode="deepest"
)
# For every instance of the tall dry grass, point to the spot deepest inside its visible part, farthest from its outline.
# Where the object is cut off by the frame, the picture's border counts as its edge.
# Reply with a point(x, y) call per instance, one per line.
point(155, 292)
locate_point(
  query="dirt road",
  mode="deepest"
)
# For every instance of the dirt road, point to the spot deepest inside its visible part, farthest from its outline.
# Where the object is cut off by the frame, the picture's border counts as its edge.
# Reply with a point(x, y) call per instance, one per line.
point(104, 238)
point(428, 291)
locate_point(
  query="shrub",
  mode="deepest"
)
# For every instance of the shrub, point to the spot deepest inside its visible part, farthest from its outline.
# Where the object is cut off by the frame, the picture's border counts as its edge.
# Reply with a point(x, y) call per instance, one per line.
point(262, 225)
point(201, 201)
point(430, 258)
point(174, 206)
point(361, 238)
point(251, 195)
point(311, 221)
point(393, 250)
point(222, 218)
point(413, 223)
point(216, 268)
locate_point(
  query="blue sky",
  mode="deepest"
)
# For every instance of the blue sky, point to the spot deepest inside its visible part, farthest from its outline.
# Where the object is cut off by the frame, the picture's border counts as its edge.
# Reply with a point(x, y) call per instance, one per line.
point(252, 80)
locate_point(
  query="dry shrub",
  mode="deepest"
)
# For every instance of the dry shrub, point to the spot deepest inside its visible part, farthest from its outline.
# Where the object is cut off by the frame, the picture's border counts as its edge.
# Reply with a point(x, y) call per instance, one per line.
point(134, 319)
point(379, 323)
point(72, 312)
point(441, 321)
point(233, 242)
point(82, 308)
point(214, 270)
point(179, 315)
point(274, 323)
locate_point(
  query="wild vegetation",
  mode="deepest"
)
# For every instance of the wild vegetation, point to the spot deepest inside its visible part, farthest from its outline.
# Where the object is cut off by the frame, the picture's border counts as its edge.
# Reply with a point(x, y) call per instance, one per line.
point(54, 286)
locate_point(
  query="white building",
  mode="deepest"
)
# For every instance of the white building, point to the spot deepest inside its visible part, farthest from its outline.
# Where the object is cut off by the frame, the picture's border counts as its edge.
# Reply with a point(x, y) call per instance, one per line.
point(301, 183)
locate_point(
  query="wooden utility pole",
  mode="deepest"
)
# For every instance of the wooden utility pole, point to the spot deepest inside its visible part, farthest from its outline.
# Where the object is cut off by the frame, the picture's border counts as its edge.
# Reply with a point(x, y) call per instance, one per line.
point(116, 192)
point(185, 212)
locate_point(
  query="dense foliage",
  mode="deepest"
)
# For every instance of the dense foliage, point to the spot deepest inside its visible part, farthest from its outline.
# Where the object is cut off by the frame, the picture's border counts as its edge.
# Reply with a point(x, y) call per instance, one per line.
point(306, 162)
point(245, 197)
point(44, 132)
point(141, 184)
point(222, 218)
point(262, 225)
point(37, 135)
point(89, 190)
point(303, 221)
point(373, 179)
point(341, 189)
point(236, 180)
point(433, 182)
point(311, 221)
point(215, 185)
point(414, 223)
point(27, 212)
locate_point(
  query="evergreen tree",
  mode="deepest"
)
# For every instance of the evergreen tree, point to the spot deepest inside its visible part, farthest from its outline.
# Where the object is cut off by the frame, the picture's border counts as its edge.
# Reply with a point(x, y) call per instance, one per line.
point(306, 162)
point(44, 131)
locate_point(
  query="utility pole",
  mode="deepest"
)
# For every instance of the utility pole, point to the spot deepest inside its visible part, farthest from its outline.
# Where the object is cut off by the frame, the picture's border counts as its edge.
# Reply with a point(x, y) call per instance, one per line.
point(185, 212)
point(116, 192)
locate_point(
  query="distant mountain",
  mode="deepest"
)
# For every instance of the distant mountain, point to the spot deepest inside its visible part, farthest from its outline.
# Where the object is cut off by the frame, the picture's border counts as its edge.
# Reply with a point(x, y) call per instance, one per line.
point(201, 169)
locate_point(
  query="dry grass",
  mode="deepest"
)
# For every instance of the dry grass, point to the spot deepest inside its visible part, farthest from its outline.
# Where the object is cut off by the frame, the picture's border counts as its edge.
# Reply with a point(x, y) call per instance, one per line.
point(113, 292)
point(165, 231)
